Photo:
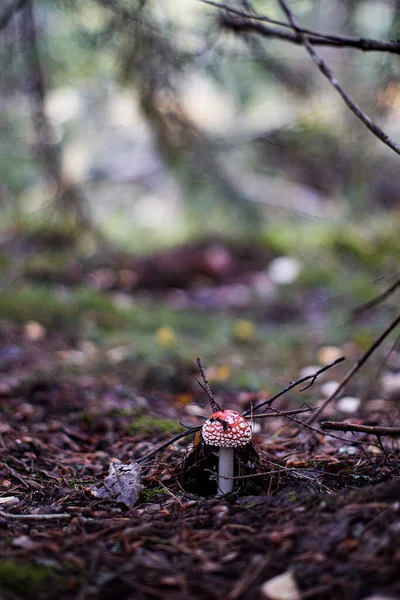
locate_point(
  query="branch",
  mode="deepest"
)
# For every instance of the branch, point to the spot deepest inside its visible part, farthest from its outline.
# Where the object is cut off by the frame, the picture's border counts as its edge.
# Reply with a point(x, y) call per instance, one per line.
point(50, 517)
point(180, 436)
point(284, 413)
point(355, 428)
point(377, 299)
point(254, 23)
point(293, 384)
point(356, 367)
point(214, 405)
point(326, 71)
point(319, 431)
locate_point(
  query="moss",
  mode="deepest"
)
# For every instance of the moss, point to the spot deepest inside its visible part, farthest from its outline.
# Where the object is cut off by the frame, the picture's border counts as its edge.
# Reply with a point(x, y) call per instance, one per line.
point(150, 494)
point(292, 496)
point(146, 425)
point(44, 304)
point(28, 580)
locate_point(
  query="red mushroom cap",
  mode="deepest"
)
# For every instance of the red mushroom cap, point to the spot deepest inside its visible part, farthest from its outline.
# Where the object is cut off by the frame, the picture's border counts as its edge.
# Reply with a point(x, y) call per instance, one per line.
point(226, 428)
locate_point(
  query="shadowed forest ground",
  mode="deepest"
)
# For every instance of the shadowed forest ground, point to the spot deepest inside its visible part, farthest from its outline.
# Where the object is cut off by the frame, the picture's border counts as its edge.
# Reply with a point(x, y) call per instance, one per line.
point(97, 364)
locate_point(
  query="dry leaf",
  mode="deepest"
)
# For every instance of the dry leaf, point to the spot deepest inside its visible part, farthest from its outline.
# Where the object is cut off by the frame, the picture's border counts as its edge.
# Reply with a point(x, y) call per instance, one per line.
point(122, 484)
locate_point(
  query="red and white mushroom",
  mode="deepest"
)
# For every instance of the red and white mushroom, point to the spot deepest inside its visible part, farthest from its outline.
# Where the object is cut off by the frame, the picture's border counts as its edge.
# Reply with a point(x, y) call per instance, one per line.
point(226, 429)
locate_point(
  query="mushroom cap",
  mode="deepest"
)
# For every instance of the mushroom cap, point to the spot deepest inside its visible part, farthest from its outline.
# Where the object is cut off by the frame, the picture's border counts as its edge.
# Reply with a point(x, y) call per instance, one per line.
point(226, 428)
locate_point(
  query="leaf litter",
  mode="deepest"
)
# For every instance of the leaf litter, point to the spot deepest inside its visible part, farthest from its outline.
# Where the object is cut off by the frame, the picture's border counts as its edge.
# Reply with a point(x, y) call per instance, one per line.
point(324, 509)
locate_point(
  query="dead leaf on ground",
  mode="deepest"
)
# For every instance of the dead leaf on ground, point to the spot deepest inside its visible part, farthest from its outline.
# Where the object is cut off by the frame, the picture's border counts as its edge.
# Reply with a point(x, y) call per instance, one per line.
point(122, 484)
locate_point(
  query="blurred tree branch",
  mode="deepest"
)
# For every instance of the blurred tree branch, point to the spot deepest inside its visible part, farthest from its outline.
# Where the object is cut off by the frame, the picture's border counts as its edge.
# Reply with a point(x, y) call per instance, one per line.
point(9, 12)
point(326, 71)
point(152, 61)
point(245, 22)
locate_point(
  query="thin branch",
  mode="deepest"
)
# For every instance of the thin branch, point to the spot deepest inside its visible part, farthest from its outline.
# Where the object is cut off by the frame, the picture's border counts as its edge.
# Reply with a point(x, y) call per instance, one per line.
point(178, 437)
point(355, 428)
point(293, 384)
point(284, 413)
point(15, 474)
point(50, 517)
point(254, 23)
point(320, 432)
point(356, 367)
point(326, 71)
point(214, 405)
point(377, 299)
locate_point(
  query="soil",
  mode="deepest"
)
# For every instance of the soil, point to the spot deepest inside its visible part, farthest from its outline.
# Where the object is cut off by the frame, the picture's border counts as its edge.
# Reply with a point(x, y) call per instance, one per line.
point(324, 508)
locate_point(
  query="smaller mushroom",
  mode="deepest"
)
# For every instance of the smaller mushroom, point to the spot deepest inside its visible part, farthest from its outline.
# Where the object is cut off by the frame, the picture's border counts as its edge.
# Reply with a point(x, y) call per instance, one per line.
point(226, 429)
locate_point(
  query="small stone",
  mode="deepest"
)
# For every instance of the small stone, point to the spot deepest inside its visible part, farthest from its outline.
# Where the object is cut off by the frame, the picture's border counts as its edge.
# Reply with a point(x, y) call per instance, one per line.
point(348, 404)
point(281, 587)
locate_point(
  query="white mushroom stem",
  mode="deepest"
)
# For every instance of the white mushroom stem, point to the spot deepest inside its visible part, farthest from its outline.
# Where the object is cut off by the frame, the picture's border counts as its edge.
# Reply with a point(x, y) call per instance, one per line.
point(225, 471)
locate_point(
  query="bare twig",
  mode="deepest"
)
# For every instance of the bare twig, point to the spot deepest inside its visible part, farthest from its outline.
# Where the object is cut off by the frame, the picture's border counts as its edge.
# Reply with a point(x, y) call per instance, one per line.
point(44, 517)
point(355, 428)
point(176, 438)
point(214, 405)
point(356, 367)
point(320, 432)
point(247, 22)
point(326, 71)
point(377, 299)
point(284, 413)
point(15, 474)
point(293, 384)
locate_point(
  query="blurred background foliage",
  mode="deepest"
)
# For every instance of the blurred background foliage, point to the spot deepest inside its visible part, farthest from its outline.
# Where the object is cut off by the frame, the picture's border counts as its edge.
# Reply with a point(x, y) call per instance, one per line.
point(129, 126)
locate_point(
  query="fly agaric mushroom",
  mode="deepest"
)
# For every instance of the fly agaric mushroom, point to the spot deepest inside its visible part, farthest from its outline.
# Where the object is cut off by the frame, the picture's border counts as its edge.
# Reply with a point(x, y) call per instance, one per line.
point(226, 429)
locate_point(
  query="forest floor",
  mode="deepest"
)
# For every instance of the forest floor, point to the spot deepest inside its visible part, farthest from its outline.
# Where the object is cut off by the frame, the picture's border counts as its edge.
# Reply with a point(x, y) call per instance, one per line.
point(77, 394)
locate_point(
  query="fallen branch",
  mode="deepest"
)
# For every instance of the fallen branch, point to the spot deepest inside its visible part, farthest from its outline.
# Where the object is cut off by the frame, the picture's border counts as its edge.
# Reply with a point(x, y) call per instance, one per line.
point(293, 384)
point(356, 367)
point(355, 428)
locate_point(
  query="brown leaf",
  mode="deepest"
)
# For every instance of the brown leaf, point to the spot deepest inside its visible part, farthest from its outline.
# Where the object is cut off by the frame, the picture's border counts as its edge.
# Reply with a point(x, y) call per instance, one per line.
point(122, 484)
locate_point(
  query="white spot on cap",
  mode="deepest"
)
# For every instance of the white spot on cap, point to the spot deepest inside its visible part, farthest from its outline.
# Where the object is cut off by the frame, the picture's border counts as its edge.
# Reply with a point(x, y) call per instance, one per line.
point(226, 428)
